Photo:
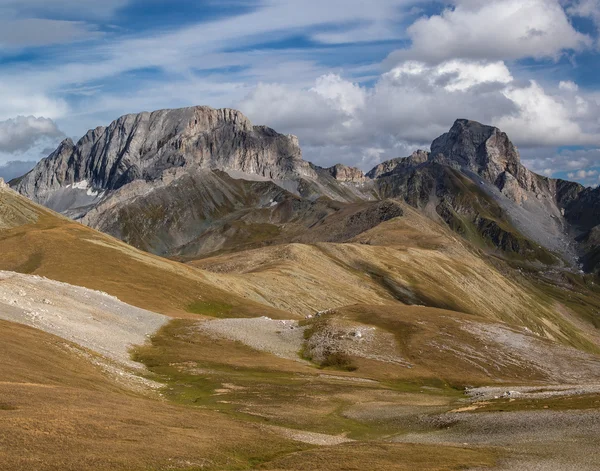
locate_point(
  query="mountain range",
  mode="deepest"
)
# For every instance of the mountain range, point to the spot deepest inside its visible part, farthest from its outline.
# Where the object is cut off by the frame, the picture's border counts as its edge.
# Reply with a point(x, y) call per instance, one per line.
point(196, 181)
point(181, 291)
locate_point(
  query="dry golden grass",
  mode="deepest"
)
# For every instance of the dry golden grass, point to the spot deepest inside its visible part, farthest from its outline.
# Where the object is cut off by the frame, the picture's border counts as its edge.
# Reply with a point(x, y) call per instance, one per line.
point(380, 456)
point(57, 412)
point(252, 385)
point(60, 413)
point(229, 376)
point(407, 260)
point(424, 337)
point(57, 248)
point(410, 260)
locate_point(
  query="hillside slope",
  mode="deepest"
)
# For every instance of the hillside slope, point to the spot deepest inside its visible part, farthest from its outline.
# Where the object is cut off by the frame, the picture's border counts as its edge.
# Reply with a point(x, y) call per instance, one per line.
point(409, 260)
point(417, 325)
point(35, 240)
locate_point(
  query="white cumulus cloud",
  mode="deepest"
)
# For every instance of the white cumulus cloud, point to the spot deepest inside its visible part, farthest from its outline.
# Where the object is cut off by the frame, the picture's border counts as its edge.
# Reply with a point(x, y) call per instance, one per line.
point(23, 132)
point(415, 102)
point(494, 30)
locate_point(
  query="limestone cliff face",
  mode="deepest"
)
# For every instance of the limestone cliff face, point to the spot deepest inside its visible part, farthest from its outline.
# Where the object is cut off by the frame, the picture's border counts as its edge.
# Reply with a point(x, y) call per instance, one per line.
point(483, 149)
point(344, 173)
point(473, 177)
point(488, 152)
point(142, 146)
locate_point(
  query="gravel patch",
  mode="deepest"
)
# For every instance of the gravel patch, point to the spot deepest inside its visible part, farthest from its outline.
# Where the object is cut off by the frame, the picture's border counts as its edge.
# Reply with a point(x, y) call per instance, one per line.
point(537, 219)
point(312, 438)
point(283, 338)
point(352, 379)
point(531, 392)
point(529, 440)
point(355, 340)
point(92, 319)
point(507, 347)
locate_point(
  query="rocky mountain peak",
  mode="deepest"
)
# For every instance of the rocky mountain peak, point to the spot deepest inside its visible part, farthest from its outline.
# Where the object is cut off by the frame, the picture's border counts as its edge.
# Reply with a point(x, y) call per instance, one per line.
point(142, 146)
point(482, 149)
point(344, 173)
point(66, 143)
point(3, 185)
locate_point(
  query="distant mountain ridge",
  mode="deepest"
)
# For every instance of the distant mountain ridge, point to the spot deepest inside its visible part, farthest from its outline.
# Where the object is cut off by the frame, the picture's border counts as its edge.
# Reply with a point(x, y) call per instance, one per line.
point(235, 180)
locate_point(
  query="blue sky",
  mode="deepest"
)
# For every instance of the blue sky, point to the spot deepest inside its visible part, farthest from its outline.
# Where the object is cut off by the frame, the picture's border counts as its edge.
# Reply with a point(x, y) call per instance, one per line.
point(359, 82)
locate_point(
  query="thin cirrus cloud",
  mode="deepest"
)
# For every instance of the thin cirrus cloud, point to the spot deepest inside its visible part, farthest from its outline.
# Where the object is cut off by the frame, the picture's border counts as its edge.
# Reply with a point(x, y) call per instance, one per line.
point(89, 9)
point(37, 23)
point(357, 81)
point(29, 32)
point(181, 50)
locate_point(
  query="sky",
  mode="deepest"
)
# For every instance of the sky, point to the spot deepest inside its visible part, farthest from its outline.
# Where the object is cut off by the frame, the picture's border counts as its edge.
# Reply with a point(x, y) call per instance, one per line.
point(359, 82)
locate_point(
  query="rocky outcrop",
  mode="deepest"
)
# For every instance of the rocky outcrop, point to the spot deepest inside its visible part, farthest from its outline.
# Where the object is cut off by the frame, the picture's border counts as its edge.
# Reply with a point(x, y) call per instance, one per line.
point(483, 149)
point(474, 173)
point(590, 243)
point(398, 165)
point(343, 173)
point(488, 152)
point(142, 146)
point(3, 185)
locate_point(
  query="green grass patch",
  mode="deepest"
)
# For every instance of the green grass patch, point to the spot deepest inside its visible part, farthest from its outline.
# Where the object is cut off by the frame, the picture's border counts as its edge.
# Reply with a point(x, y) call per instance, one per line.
point(210, 308)
point(339, 361)
point(588, 401)
point(197, 372)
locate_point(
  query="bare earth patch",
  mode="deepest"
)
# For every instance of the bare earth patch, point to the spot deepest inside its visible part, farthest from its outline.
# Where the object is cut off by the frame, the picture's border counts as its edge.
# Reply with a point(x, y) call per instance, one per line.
point(506, 346)
point(92, 319)
point(312, 438)
point(283, 338)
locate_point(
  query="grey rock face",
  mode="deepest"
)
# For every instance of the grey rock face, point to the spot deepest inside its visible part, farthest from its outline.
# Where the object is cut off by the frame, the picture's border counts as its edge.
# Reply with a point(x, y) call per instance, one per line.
point(473, 176)
point(482, 149)
point(477, 146)
point(142, 146)
point(344, 173)
point(399, 165)
point(170, 181)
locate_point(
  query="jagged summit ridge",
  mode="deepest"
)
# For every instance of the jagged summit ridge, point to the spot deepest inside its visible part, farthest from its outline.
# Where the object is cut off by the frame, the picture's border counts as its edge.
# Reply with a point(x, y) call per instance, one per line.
point(141, 146)
point(398, 165)
point(481, 149)
point(468, 145)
